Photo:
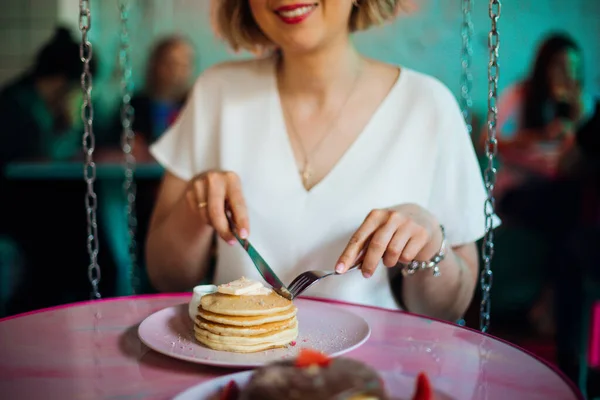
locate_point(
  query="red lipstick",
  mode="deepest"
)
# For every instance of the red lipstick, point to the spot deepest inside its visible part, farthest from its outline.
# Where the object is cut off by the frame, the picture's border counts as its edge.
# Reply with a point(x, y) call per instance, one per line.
point(295, 13)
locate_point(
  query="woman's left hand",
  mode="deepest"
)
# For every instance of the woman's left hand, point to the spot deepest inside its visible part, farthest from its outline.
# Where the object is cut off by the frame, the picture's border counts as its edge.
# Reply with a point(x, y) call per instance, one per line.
point(399, 235)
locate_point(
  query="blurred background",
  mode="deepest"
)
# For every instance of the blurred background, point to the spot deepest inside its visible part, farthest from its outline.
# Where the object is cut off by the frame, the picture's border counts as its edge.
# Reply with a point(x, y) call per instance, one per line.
point(545, 266)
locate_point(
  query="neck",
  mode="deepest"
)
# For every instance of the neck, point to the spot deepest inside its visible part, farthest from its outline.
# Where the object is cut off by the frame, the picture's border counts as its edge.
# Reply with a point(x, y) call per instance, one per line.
point(320, 73)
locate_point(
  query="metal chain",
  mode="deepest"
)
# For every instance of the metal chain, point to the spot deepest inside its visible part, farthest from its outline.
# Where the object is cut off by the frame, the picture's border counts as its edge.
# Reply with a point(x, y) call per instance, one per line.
point(89, 145)
point(491, 149)
point(466, 56)
point(127, 141)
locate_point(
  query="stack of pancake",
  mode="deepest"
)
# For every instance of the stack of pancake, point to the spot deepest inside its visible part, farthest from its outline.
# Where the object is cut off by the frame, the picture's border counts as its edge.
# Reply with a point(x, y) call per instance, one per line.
point(245, 323)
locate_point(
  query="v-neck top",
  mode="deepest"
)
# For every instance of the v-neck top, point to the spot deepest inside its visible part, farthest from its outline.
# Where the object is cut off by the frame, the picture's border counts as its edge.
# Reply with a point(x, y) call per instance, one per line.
point(414, 149)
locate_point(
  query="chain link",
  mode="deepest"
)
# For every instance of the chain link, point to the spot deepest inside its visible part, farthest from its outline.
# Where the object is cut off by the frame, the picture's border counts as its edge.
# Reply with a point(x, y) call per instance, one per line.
point(89, 144)
point(491, 149)
point(127, 140)
point(466, 57)
point(466, 76)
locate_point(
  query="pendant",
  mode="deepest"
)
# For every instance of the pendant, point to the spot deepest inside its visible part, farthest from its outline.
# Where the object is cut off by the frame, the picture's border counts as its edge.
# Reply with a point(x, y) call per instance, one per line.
point(306, 175)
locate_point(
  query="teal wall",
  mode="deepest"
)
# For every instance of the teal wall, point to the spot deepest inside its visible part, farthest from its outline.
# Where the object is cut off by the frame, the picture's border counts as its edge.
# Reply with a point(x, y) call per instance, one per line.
point(428, 40)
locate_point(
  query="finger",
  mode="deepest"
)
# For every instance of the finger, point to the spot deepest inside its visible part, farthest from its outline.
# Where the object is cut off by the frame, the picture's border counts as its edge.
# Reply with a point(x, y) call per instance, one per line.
point(216, 205)
point(237, 204)
point(418, 239)
point(378, 245)
point(396, 246)
point(359, 240)
point(199, 200)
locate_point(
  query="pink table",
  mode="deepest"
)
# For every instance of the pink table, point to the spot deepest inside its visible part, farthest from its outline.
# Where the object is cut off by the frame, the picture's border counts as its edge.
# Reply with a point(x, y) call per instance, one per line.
point(66, 353)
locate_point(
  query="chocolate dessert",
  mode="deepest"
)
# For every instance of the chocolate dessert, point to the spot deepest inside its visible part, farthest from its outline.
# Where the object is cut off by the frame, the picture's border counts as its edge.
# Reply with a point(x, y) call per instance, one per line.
point(314, 376)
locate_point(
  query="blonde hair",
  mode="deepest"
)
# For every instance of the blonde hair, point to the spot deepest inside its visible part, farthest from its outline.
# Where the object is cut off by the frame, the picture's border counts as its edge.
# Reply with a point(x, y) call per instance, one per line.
point(233, 21)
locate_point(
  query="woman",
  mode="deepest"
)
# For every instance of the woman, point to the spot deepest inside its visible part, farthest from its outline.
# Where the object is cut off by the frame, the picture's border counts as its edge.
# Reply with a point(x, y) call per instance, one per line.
point(156, 106)
point(168, 77)
point(39, 111)
point(320, 153)
point(41, 119)
point(540, 115)
point(541, 120)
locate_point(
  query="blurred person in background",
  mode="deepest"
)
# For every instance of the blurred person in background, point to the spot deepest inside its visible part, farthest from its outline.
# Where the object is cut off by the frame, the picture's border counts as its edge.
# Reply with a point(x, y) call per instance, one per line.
point(169, 76)
point(168, 80)
point(576, 256)
point(40, 111)
point(40, 117)
point(537, 121)
point(538, 117)
point(551, 103)
point(550, 121)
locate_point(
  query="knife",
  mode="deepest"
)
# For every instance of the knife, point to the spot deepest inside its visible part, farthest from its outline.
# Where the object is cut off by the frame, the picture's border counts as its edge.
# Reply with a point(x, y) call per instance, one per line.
point(261, 265)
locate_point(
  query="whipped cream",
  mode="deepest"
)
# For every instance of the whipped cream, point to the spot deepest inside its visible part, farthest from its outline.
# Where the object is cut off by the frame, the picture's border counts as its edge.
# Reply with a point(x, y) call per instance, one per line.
point(199, 291)
point(244, 287)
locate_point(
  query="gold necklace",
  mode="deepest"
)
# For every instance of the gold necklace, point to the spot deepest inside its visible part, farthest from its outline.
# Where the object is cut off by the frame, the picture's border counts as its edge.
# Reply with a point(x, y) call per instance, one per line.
point(306, 171)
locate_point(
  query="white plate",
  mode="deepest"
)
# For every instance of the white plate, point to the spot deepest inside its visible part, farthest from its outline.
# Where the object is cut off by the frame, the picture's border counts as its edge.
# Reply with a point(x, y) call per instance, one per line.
point(401, 386)
point(203, 390)
point(322, 327)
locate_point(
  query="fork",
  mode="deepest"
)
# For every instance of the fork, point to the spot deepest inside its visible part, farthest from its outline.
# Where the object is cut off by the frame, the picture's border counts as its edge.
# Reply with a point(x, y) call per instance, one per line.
point(306, 279)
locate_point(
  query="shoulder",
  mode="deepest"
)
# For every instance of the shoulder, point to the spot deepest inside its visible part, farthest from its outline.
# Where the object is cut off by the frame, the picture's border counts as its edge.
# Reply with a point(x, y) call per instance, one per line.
point(426, 92)
point(420, 81)
point(228, 88)
point(433, 110)
point(235, 75)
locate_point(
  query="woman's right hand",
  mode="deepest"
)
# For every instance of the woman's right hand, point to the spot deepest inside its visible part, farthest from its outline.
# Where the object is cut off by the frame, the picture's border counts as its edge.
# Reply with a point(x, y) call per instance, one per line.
point(210, 194)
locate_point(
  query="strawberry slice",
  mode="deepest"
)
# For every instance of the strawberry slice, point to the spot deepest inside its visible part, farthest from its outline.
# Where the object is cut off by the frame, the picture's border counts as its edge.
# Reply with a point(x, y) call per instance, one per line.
point(308, 357)
point(230, 392)
point(424, 390)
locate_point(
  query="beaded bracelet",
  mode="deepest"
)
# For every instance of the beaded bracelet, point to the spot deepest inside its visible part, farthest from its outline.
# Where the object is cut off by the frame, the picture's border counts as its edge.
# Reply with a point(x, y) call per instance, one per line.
point(433, 263)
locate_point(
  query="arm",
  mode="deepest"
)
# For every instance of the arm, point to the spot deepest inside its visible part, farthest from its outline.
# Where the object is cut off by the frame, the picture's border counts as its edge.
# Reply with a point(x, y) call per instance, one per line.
point(409, 232)
point(180, 235)
point(448, 296)
point(178, 243)
point(457, 202)
point(185, 218)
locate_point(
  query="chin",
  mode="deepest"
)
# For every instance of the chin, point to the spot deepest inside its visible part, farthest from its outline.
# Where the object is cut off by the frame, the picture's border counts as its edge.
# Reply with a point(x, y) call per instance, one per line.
point(300, 27)
point(304, 45)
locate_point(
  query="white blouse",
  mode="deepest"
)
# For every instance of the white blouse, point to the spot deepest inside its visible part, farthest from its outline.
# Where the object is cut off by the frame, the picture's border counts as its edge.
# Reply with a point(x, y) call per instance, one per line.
point(415, 149)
